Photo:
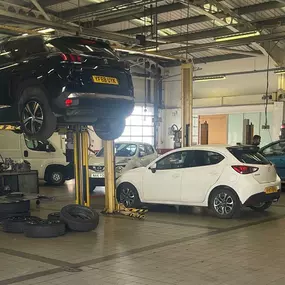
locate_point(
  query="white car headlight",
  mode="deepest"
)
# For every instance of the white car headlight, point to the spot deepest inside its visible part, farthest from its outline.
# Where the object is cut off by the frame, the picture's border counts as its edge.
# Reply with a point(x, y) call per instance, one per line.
point(120, 168)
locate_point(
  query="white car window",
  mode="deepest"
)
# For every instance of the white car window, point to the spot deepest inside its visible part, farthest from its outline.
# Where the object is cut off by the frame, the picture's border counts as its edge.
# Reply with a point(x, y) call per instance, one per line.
point(39, 145)
point(142, 150)
point(121, 150)
point(173, 161)
point(204, 158)
point(149, 149)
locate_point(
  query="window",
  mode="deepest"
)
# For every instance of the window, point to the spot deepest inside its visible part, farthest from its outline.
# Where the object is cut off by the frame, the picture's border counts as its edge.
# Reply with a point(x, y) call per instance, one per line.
point(276, 149)
point(83, 46)
point(39, 146)
point(172, 161)
point(248, 155)
point(25, 46)
point(139, 126)
point(121, 150)
point(204, 158)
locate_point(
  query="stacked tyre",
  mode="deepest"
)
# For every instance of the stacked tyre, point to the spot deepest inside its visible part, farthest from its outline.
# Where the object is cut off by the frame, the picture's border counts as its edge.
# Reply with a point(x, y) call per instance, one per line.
point(14, 209)
point(71, 217)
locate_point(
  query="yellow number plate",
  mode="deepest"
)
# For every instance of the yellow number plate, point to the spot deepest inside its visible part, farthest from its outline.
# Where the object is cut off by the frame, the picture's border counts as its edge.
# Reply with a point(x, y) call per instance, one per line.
point(105, 80)
point(269, 190)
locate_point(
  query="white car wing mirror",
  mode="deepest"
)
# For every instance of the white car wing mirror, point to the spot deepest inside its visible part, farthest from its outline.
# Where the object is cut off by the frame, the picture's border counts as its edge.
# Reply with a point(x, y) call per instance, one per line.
point(153, 168)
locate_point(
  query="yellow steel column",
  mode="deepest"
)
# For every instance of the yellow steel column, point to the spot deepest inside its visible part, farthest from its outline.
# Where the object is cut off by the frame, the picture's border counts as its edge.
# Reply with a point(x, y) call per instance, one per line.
point(86, 167)
point(187, 103)
point(109, 177)
point(76, 175)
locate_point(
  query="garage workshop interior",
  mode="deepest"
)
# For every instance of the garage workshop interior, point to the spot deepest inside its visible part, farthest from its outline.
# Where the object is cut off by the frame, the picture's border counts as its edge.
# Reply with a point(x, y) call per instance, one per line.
point(142, 142)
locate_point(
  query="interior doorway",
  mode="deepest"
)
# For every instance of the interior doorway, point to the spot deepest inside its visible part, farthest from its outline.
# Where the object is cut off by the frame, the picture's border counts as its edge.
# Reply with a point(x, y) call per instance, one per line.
point(217, 129)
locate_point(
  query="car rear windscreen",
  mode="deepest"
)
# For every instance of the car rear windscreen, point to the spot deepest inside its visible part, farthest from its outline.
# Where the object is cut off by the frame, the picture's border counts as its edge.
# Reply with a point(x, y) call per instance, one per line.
point(248, 155)
point(83, 46)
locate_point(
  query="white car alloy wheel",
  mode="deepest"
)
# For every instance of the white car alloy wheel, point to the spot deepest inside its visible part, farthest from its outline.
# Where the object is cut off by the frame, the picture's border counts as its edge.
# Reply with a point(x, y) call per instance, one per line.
point(127, 197)
point(223, 204)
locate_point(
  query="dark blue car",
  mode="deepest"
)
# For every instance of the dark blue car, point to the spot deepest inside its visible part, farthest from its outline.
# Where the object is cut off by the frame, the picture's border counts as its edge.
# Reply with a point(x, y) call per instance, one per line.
point(275, 152)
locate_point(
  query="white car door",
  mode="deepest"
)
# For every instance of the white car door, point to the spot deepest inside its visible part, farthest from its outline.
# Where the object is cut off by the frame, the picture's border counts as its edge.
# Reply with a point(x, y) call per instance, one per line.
point(204, 169)
point(163, 184)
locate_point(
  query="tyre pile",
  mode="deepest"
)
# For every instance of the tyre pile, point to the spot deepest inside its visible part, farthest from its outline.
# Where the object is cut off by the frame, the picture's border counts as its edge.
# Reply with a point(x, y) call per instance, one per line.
point(71, 217)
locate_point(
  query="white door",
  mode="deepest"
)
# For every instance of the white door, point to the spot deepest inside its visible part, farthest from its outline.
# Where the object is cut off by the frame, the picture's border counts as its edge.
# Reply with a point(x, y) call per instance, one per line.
point(163, 185)
point(203, 171)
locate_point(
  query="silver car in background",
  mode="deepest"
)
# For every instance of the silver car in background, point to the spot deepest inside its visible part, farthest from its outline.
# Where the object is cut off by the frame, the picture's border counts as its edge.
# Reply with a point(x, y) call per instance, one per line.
point(129, 155)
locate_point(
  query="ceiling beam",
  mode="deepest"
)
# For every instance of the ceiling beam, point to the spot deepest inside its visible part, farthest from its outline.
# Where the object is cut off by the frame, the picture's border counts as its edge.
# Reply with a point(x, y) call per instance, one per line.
point(219, 58)
point(232, 43)
point(221, 31)
point(147, 12)
point(203, 18)
point(46, 3)
point(264, 50)
point(65, 26)
point(92, 8)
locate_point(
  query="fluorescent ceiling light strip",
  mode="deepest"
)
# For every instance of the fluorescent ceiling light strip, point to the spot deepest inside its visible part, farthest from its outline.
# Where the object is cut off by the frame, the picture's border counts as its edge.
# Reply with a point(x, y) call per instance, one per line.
point(238, 36)
point(47, 30)
point(281, 71)
point(208, 78)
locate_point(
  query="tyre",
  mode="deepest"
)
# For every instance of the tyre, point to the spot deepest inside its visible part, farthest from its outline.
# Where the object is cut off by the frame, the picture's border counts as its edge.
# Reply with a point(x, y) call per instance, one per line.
point(55, 176)
point(15, 207)
point(225, 203)
point(109, 129)
point(79, 218)
point(4, 216)
point(128, 195)
point(44, 229)
point(54, 216)
point(16, 224)
point(36, 118)
point(261, 207)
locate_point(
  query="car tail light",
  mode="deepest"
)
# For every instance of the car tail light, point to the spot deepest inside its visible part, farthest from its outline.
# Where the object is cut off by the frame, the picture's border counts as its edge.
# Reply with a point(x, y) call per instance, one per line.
point(68, 102)
point(71, 57)
point(243, 169)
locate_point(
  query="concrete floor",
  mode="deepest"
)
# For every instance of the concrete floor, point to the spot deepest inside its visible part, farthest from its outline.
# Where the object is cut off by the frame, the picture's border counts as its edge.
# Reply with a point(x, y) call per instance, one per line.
point(166, 248)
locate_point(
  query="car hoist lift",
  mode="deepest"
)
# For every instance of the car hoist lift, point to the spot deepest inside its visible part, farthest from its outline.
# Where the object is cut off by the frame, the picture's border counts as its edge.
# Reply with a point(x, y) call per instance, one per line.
point(78, 137)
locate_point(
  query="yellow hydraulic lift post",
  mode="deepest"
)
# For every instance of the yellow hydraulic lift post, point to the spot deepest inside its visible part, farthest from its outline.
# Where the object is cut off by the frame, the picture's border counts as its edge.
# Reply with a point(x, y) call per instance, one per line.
point(109, 157)
point(187, 103)
point(81, 169)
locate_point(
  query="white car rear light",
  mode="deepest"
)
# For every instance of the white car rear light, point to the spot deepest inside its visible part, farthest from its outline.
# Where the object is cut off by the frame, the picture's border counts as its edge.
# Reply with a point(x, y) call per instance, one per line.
point(243, 169)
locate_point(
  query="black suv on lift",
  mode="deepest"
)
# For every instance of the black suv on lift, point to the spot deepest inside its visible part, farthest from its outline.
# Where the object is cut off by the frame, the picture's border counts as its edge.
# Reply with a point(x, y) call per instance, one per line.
point(64, 80)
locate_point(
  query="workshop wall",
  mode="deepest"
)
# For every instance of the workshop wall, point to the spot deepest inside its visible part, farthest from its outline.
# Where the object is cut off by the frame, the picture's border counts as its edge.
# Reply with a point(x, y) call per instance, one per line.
point(237, 85)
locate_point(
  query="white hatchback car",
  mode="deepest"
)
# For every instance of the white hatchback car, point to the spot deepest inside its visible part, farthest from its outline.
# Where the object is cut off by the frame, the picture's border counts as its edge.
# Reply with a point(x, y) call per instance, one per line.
point(222, 178)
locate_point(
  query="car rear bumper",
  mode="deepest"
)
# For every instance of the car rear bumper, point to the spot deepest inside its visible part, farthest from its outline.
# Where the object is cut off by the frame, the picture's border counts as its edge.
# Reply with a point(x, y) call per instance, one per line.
point(261, 198)
point(88, 107)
